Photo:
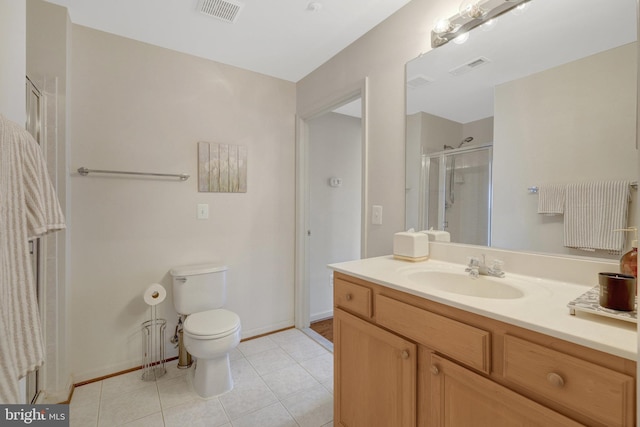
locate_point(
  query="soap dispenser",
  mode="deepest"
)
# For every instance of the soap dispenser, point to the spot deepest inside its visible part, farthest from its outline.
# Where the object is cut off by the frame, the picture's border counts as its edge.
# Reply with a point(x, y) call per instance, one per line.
point(629, 261)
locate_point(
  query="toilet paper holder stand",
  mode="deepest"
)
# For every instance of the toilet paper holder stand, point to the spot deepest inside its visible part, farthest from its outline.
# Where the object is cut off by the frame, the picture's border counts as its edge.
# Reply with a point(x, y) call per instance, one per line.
point(153, 356)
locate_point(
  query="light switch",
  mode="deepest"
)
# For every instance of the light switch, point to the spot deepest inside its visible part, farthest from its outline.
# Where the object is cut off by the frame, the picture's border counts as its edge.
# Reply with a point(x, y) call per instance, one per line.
point(203, 211)
point(376, 215)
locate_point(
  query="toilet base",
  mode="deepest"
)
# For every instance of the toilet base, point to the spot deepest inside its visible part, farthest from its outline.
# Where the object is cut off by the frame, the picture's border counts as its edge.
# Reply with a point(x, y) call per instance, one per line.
point(212, 377)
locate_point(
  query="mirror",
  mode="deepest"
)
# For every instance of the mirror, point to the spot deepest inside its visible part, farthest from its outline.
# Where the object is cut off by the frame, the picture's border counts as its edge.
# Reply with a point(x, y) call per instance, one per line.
point(551, 90)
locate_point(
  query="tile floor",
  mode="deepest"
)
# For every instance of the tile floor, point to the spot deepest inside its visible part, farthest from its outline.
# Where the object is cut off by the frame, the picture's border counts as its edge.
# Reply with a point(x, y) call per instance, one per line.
point(281, 380)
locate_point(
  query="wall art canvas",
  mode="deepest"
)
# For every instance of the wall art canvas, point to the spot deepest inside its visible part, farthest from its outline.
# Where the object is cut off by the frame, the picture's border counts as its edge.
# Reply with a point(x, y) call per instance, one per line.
point(222, 168)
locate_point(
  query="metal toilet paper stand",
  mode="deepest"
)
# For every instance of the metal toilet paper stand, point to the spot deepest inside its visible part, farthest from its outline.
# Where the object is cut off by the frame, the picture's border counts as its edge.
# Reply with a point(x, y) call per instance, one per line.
point(153, 356)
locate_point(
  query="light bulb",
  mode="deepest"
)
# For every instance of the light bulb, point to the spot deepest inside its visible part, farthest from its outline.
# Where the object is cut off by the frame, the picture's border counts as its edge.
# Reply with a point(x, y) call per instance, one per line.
point(489, 25)
point(461, 38)
point(521, 8)
point(471, 9)
point(442, 26)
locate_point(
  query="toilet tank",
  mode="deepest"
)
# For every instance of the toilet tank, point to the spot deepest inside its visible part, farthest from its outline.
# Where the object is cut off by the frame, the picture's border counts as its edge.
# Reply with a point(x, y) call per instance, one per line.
point(199, 287)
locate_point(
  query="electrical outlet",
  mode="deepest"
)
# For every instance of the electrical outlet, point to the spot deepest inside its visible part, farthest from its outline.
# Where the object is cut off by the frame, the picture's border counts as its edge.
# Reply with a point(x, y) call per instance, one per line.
point(376, 215)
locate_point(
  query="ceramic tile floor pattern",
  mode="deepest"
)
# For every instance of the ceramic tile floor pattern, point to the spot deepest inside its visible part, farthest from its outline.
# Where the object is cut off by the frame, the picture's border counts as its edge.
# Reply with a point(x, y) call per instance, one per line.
point(281, 380)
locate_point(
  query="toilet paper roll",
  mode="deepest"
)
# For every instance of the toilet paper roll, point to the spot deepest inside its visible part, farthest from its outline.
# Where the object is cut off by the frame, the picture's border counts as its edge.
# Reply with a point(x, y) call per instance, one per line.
point(155, 294)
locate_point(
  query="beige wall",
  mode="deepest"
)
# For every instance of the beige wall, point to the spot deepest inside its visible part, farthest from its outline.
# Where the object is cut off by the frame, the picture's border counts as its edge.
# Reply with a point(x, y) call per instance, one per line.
point(380, 55)
point(13, 59)
point(582, 130)
point(136, 107)
point(481, 131)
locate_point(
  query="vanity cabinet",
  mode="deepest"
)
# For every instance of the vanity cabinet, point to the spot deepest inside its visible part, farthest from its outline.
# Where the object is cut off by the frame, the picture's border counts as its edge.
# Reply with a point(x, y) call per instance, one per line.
point(402, 360)
point(460, 398)
point(377, 371)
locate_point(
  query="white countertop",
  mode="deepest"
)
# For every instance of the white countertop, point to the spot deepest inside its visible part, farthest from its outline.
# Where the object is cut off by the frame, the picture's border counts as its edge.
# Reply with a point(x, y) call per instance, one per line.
point(543, 308)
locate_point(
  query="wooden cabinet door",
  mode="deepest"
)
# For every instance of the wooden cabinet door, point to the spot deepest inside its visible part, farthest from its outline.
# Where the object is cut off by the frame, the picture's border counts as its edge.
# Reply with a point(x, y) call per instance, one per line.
point(375, 375)
point(462, 398)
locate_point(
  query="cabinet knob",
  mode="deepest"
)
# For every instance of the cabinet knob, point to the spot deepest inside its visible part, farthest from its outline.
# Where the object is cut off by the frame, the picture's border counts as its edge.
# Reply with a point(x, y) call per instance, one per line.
point(435, 370)
point(404, 354)
point(555, 379)
point(348, 297)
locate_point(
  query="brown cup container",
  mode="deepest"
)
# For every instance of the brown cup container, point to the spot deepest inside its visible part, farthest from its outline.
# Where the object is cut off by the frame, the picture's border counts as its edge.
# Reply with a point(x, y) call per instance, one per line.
point(617, 291)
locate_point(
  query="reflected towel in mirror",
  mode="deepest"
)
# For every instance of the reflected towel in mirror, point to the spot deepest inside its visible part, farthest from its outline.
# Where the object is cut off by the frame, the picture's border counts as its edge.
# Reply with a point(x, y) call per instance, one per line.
point(551, 199)
point(592, 211)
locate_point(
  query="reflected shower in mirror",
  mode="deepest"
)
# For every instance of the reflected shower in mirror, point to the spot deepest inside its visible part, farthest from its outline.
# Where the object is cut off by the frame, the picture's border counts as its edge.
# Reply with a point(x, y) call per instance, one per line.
point(551, 91)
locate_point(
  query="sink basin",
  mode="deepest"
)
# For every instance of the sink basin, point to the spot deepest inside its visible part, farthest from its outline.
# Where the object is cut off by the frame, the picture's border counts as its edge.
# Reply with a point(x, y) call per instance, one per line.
point(463, 284)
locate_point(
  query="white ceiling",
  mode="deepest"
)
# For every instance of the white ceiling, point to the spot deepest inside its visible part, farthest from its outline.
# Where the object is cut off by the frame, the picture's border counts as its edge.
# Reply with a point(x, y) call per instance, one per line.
point(280, 38)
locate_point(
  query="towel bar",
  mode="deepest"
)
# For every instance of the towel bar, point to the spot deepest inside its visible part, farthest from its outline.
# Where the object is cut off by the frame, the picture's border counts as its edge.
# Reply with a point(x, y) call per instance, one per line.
point(84, 172)
point(534, 189)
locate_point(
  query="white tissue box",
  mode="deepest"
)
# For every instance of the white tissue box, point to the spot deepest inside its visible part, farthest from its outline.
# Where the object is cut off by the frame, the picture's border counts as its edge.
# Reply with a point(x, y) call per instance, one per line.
point(437, 235)
point(411, 246)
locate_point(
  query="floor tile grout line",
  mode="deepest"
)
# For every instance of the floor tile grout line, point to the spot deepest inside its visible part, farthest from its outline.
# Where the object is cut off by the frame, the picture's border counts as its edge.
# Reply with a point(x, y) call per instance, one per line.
point(280, 344)
point(226, 413)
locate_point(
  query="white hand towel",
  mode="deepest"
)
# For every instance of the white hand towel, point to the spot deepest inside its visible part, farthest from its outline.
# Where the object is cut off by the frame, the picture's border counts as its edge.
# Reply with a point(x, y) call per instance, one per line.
point(551, 199)
point(592, 212)
point(28, 208)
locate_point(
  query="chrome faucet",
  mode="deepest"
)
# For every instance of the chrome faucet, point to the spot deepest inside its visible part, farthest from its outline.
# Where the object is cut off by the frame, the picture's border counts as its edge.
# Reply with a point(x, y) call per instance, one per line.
point(479, 267)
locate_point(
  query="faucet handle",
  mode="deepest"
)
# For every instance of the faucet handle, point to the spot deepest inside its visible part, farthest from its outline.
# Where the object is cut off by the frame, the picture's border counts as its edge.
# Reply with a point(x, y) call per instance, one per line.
point(473, 261)
point(474, 271)
point(496, 268)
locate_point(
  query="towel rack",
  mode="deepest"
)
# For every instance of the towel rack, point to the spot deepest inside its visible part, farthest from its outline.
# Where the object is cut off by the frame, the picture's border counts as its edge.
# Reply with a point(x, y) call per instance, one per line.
point(84, 172)
point(534, 189)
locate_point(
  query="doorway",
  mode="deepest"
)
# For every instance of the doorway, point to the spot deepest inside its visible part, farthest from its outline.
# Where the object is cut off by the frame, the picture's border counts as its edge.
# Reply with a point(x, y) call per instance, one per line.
point(331, 200)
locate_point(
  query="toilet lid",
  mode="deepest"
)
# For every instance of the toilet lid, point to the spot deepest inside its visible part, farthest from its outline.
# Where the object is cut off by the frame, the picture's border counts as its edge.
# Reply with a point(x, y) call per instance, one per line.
point(212, 323)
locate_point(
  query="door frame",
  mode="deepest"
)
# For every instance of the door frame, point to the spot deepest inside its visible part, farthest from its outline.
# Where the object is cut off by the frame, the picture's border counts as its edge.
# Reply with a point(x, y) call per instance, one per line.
point(301, 273)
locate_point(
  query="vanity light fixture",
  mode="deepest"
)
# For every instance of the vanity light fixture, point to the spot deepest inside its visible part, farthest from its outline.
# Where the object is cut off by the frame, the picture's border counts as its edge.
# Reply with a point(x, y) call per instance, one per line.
point(463, 37)
point(472, 13)
point(471, 9)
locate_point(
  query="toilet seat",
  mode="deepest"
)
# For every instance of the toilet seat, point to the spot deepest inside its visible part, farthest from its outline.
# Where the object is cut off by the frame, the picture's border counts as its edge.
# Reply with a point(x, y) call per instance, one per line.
point(212, 324)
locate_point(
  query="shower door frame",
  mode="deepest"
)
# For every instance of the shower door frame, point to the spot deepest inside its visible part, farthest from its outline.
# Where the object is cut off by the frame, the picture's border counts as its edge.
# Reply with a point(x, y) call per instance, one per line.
point(34, 125)
point(442, 183)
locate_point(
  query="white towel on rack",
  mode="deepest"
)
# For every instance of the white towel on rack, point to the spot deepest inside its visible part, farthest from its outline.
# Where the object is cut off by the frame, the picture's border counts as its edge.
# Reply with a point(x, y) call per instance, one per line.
point(592, 211)
point(28, 208)
point(551, 199)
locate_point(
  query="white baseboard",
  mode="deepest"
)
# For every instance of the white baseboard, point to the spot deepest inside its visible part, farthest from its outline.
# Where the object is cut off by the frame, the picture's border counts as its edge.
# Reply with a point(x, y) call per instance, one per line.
point(321, 316)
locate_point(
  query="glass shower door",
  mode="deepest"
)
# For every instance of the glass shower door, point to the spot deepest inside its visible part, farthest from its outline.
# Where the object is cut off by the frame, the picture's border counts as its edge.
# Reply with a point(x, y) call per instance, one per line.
point(457, 194)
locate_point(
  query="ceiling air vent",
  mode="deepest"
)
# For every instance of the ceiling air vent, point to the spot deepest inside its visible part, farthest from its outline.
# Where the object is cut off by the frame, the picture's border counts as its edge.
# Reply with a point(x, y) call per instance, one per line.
point(471, 65)
point(225, 10)
point(418, 81)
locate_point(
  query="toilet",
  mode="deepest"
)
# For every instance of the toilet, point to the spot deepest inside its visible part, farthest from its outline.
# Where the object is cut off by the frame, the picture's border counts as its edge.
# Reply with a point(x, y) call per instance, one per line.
point(209, 331)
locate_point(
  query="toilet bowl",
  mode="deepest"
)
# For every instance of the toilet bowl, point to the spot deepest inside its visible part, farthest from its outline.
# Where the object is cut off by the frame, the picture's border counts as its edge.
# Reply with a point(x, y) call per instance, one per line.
point(210, 332)
point(209, 336)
